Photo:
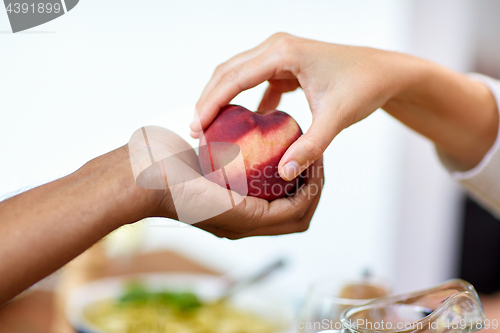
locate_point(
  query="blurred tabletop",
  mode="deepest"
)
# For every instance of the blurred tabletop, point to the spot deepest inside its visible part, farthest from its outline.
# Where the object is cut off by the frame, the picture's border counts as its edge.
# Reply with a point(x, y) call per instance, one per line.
point(38, 309)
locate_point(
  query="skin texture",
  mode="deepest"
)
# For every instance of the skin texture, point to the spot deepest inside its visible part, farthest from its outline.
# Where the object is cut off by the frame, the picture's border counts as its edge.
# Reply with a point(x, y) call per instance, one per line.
point(345, 84)
point(262, 138)
point(44, 228)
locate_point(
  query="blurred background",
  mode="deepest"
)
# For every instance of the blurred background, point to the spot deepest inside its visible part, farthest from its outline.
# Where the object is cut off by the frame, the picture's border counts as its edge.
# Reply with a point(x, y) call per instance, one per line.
point(79, 86)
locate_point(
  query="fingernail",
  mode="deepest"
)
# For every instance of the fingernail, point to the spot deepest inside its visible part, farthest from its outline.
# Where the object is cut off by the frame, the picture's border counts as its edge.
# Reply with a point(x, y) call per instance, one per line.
point(290, 170)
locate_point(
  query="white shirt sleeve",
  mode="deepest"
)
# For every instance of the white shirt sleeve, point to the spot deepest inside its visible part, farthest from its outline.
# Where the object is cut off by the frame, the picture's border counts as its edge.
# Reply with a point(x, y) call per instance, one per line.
point(483, 181)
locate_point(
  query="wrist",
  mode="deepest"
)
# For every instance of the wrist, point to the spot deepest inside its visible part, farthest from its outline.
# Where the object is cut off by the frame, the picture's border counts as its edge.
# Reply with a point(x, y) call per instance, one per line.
point(458, 114)
point(408, 76)
point(111, 180)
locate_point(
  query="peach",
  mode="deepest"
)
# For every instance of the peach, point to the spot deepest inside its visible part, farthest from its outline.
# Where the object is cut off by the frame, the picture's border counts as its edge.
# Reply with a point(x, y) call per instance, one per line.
point(262, 138)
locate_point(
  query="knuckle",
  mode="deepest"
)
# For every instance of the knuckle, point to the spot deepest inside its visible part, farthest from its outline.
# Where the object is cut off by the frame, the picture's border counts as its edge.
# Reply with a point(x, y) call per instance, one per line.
point(280, 35)
point(232, 77)
point(220, 69)
point(313, 149)
point(286, 51)
point(286, 44)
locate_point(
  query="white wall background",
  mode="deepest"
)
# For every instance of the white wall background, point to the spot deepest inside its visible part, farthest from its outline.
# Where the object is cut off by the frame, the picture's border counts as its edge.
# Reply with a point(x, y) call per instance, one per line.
point(79, 86)
point(430, 203)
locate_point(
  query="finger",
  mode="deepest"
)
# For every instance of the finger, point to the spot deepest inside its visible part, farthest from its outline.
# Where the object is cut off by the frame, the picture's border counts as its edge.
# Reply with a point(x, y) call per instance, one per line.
point(226, 67)
point(293, 207)
point(275, 90)
point(254, 213)
point(234, 62)
point(289, 227)
point(263, 112)
point(299, 224)
point(246, 76)
point(282, 229)
point(195, 135)
point(310, 146)
point(271, 99)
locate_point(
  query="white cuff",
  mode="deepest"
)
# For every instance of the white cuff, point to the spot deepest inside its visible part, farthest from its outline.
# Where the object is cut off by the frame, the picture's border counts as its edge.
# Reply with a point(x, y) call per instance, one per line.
point(483, 181)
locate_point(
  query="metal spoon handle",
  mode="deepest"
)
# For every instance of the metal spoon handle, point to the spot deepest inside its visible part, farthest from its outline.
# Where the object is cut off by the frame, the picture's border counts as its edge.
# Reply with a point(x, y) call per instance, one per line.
point(260, 275)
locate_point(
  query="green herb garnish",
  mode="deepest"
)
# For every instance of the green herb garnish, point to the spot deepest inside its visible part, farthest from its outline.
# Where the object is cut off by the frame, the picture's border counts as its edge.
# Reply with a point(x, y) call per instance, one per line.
point(136, 293)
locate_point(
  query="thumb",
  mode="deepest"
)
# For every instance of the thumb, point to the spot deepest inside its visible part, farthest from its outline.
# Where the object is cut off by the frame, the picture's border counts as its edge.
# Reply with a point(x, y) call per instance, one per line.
point(308, 148)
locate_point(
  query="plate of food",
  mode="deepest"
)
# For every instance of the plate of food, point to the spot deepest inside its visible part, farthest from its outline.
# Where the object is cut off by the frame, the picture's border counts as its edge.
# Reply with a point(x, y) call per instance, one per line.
point(172, 303)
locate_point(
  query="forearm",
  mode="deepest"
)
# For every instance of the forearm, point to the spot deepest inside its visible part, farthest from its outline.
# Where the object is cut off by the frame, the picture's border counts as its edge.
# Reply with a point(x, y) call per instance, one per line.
point(44, 228)
point(458, 114)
